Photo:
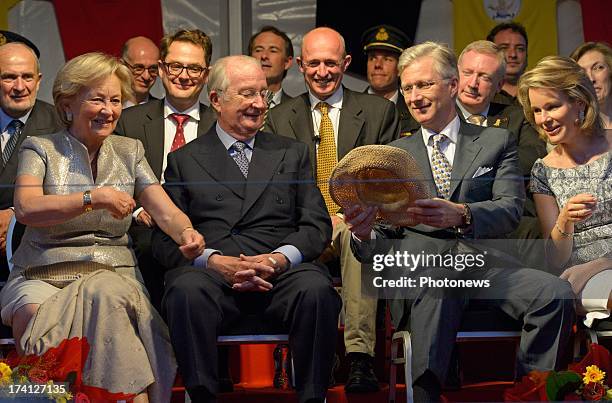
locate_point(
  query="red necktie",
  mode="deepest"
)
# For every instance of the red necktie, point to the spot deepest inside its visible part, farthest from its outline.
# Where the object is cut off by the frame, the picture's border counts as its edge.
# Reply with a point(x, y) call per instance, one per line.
point(179, 137)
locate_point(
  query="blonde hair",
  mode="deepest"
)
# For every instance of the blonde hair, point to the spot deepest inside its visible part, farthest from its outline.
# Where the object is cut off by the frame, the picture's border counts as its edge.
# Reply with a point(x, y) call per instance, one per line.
point(487, 48)
point(445, 62)
point(83, 71)
point(565, 75)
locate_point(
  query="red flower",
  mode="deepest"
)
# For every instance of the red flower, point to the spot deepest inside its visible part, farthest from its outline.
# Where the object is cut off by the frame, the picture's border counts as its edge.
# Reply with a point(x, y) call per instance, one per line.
point(38, 375)
point(81, 398)
point(593, 391)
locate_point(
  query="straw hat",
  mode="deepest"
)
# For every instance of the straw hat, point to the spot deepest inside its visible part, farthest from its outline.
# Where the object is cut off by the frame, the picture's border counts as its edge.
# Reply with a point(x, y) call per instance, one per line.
point(377, 175)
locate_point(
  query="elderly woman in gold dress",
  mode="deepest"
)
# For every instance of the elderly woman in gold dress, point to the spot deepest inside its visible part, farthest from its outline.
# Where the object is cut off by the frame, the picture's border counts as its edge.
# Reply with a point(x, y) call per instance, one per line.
point(75, 191)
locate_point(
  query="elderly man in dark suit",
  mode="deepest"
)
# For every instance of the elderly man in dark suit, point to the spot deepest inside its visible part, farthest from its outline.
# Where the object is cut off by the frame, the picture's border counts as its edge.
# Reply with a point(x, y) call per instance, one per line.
point(164, 125)
point(252, 196)
point(474, 173)
point(332, 120)
point(21, 115)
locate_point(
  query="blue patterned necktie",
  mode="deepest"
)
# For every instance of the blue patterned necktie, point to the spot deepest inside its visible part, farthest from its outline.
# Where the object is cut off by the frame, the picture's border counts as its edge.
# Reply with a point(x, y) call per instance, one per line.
point(240, 157)
point(14, 129)
point(440, 167)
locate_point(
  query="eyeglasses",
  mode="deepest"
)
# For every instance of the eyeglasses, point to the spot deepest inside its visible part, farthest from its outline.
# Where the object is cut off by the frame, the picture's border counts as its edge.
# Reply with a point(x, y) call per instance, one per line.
point(313, 64)
point(251, 95)
point(138, 69)
point(420, 86)
point(193, 70)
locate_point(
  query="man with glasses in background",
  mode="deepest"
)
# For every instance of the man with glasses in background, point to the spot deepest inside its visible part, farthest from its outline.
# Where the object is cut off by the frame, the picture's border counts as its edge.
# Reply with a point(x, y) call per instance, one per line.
point(140, 55)
point(265, 222)
point(167, 124)
point(332, 120)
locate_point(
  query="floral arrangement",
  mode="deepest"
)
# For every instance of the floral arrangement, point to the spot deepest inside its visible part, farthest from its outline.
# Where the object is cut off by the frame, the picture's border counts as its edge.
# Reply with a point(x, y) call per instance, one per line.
point(583, 381)
point(56, 374)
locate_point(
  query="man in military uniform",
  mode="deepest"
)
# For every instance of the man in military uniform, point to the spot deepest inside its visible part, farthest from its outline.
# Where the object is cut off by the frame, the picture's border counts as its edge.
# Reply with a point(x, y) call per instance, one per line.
point(383, 45)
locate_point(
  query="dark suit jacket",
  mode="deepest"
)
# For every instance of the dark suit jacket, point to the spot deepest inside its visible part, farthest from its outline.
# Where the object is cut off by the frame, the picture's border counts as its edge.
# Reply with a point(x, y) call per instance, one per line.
point(278, 204)
point(42, 120)
point(530, 145)
point(285, 97)
point(146, 123)
point(364, 119)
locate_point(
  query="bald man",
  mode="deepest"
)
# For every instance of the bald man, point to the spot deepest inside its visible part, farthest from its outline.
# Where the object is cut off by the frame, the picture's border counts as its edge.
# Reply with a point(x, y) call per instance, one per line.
point(21, 116)
point(140, 55)
point(356, 119)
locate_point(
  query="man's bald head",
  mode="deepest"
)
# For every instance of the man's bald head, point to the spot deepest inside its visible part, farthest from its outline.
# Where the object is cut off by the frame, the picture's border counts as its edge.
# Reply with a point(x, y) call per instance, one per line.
point(141, 55)
point(19, 79)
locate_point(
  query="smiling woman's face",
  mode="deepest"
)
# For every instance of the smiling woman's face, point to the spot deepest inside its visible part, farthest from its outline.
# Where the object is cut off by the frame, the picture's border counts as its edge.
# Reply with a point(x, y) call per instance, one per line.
point(95, 110)
point(555, 114)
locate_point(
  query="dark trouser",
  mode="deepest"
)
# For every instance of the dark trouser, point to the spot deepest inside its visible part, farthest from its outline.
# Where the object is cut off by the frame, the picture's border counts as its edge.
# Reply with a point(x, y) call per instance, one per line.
point(199, 305)
point(544, 303)
point(151, 270)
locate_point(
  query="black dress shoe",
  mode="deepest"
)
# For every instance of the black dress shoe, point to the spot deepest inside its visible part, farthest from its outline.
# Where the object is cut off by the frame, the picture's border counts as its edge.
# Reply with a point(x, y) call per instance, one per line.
point(361, 378)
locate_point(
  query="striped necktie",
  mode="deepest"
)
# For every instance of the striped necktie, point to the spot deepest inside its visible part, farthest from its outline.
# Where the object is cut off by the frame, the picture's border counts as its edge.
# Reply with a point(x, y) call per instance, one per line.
point(327, 156)
point(14, 129)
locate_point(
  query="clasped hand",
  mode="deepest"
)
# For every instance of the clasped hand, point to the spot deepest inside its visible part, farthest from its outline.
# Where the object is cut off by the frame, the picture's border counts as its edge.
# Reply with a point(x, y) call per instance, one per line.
point(249, 273)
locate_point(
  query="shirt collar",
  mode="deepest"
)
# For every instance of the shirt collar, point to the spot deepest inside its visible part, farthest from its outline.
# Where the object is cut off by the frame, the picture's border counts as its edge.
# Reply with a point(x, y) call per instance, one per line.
point(193, 111)
point(451, 131)
point(393, 98)
point(466, 114)
point(228, 140)
point(5, 119)
point(335, 100)
point(276, 98)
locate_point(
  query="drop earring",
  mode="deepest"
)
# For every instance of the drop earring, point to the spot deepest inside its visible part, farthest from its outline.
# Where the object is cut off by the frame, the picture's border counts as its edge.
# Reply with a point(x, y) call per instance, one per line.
point(69, 116)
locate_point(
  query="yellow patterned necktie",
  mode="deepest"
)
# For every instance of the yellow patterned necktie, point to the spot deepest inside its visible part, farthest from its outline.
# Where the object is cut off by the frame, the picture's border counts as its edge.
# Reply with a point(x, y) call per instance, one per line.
point(327, 157)
point(440, 167)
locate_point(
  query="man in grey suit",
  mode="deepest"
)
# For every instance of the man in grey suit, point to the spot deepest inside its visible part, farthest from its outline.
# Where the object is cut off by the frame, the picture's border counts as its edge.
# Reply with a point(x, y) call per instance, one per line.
point(252, 196)
point(164, 125)
point(474, 173)
point(351, 119)
point(21, 115)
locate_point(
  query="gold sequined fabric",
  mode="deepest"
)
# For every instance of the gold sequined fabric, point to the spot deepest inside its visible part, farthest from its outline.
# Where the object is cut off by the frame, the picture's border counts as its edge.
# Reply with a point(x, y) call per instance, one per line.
point(378, 175)
point(327, 157)
point(62, 163)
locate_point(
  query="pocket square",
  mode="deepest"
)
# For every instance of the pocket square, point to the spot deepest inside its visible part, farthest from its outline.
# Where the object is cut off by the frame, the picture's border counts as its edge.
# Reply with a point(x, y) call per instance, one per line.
point(481, 171)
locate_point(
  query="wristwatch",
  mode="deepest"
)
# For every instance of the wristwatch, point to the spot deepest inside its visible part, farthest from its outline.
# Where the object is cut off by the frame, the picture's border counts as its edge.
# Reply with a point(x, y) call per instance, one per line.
point(466, 217)
point(87, 206)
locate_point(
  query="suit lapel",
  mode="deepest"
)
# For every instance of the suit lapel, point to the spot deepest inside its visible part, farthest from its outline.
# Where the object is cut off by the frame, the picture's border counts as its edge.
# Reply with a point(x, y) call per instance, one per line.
point(416, 147)
point(495, 118)
point(214, 158)
point(32, 127)
point(262, 167)
point(154, 136)
point(208, 117)
point(350, 124)
point(301, 124)
point(465, 153)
